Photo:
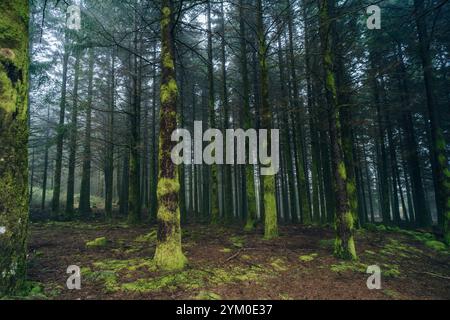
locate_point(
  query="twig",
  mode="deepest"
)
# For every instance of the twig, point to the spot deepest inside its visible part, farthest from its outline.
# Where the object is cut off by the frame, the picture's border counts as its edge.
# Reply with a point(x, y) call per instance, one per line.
point(437, 275)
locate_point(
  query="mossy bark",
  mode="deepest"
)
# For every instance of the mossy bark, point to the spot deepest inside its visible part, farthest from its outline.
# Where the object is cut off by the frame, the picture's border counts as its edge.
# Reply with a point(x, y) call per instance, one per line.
point(439, 161)
point(168, 255)
point(13, 147)
point(270, 206)
point(344, 219)
point(213, 170)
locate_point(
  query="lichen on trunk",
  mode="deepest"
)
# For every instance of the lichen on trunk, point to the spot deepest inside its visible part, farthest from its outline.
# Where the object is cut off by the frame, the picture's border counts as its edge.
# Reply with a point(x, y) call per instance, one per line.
point(13, 147)
point(169, 255)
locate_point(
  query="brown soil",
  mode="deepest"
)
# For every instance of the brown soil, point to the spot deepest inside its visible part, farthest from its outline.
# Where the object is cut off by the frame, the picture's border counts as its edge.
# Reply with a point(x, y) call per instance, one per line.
point(420, 272)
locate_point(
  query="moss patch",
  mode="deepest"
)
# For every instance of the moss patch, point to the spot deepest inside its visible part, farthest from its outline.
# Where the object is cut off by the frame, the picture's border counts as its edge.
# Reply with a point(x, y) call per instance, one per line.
point(147, 238)
point(206, 295)
point(308, 258)
point(99, 242)
point(237, 241)
point(436, 245)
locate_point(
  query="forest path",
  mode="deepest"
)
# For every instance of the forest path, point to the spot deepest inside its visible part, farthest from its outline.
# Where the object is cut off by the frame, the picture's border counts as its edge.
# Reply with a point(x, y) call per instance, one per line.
point(227, 263)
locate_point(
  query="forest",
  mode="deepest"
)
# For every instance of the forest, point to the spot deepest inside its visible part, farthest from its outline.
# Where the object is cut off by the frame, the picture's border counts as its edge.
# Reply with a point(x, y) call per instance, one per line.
point(354, 96)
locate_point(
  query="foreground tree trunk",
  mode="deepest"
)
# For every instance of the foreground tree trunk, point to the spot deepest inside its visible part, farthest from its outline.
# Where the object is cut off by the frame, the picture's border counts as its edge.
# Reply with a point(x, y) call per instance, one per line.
point(270, 206)
point(168, 255)
point(344, 220)
point(13, 146)
point(439, 162)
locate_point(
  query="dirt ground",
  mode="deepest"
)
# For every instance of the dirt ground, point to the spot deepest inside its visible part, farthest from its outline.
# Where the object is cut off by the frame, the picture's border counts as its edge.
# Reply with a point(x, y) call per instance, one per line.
point(227, 263)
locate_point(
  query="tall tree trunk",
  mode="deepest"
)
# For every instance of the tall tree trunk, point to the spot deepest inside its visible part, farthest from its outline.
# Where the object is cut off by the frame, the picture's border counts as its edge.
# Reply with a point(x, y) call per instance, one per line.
point(45, 173)
point(439, 161)
point(154, 149)
point(134, 199)
point(269, 182)
point(14, 143)
point(69, 212)
point(60, 136)
point(212, 170)
point(109, 163)
point(84, 208)
point(344, 222)
point(381, 145)
point(168, 255)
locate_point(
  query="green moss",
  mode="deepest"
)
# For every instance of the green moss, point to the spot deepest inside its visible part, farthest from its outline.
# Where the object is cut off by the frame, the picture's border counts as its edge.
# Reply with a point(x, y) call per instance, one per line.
point(206, 295)
point(279, 264)
point(99, 242)
point(270, 209)
point(169, 91)
point(395, 248)
point(390, 270)
point(436, 245)
point(147, 238)
point(392, 294)
point(109, 272)
point(308, 258)
point(168, 61)
point(342, 170)
point(237, 241)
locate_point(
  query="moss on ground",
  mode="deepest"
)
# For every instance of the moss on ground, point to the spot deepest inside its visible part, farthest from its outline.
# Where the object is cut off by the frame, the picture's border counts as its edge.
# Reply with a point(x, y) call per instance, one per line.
point(114, 275)
point(237, 241)
point(147, 238)
point(395, 248)
point(436, 245)
point(206, 295)
point(308, 258)
point(99, 242)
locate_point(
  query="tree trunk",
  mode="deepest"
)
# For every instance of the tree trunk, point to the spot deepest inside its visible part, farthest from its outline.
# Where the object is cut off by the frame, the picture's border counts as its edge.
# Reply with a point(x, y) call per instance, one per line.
point(60, 137)
point(344, 222)
point(168, 255)
point(439, 162)
point(13, 147)
point(69, 212)
point(84, 208)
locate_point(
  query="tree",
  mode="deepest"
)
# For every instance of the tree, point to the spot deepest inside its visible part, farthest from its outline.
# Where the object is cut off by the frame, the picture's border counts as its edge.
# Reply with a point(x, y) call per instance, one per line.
point(439, 162)
point(84, 208)
point(344, 219)
point(270, 207)
point(13, 148)
point(168, 254)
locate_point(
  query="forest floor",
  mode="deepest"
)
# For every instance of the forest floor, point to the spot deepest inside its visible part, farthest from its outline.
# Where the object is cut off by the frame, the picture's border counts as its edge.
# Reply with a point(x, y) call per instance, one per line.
point(228, 263)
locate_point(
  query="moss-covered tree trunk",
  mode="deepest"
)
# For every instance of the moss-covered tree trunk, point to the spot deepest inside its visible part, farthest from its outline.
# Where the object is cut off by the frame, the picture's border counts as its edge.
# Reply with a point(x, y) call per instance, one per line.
point(84, 207)
point(13, 146)
point(439, 162)
point(213, 170)
point(154, 149)
point(344, 220)
point(248, 182)
point(168, 255)
point(268, 184)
